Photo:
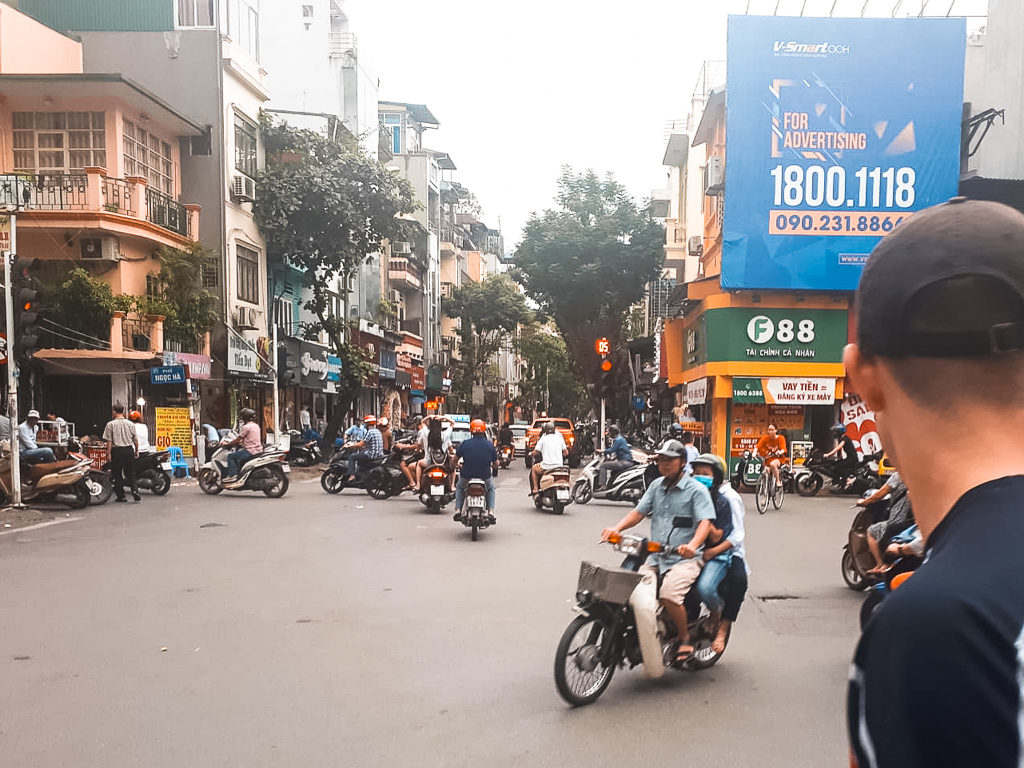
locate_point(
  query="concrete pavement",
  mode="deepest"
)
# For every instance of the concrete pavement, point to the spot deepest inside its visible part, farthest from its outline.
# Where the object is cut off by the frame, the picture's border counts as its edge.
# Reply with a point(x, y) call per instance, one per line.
point(326, 631)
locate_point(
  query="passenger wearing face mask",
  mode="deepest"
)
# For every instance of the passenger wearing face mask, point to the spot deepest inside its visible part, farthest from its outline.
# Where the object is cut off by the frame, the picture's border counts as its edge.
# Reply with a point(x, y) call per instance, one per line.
point(723, 550)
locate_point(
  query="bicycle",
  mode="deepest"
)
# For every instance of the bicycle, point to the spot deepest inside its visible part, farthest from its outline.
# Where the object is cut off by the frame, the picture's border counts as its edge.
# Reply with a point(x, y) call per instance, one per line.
point(768, 490)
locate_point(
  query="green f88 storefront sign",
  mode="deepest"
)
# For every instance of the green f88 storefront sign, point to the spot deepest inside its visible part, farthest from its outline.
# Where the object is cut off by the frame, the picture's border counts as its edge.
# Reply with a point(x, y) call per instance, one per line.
point(772, 335)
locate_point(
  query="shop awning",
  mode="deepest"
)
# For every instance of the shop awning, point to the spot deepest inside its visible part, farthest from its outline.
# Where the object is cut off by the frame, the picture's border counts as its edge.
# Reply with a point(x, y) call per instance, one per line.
point(95, 362)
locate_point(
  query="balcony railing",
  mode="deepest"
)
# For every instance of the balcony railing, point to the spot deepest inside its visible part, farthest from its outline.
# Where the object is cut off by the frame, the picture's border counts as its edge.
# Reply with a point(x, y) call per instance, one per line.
point(166, 212)
point(44, 191)
point(94, 191)
point(342, 44)
point(401, 275)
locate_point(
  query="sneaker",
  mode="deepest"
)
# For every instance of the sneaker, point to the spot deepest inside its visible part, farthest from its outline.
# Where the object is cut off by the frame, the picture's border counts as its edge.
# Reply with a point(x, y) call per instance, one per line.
point(136, 497)
point(457, 517)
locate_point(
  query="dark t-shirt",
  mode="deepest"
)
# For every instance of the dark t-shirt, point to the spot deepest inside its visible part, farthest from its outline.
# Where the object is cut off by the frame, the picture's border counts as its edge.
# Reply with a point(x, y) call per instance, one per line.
point(849, 449)
point(723, 514)
point(938, 675)
point(477, 456)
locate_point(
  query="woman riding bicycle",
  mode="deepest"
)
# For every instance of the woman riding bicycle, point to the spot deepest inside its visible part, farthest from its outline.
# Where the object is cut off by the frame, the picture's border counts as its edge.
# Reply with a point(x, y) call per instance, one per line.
point(772, 448)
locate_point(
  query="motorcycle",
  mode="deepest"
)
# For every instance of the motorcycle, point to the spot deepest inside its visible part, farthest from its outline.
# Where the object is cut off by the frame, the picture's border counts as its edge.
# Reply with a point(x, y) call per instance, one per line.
point(474, 511)
point(628, 484)
point(99, 481)
point(267, 472)
point(554, 491)
point(810, 478)
point(585, 432)
point(857, 558)
point(152, 472)
point(436, 486)
point(58, 481)
point(303, 452)
point(387, 479)
point(506, 454)
point(334, 479)
point(611, 633)
point(900, 571)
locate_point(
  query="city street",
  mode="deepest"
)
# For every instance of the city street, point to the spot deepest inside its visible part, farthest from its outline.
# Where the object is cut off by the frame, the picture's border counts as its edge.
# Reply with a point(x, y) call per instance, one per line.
point(322, 630)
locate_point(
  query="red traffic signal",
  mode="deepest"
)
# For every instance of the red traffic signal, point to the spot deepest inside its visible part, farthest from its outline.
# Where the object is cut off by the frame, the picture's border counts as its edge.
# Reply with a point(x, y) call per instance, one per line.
point(601, 346)
point(606, 365)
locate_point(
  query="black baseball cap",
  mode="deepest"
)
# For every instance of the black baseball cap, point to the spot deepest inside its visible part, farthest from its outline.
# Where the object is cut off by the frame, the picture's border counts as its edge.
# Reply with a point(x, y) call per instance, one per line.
point(948, 282)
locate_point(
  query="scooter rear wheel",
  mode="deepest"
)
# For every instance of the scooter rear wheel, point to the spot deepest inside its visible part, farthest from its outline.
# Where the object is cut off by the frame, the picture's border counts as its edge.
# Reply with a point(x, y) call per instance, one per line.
point(579, 674)
point(854, 579)
point(280, 486)
point(100, 488)
point(161, 484)
point(377, 485)
point(559, 508)
point(77, 496)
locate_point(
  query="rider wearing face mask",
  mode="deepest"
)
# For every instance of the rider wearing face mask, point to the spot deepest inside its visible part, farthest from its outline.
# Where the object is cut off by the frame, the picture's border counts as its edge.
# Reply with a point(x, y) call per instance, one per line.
point(680, 510)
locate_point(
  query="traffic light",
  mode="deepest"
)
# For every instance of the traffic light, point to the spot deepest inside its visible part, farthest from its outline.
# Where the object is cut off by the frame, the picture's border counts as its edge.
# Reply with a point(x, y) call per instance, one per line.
point(606, 379)
point(287, 365)
point(26, 307)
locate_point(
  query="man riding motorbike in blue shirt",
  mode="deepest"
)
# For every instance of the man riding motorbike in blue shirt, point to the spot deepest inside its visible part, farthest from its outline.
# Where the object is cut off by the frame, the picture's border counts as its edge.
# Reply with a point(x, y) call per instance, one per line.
point(479, 461)
point(621, 456)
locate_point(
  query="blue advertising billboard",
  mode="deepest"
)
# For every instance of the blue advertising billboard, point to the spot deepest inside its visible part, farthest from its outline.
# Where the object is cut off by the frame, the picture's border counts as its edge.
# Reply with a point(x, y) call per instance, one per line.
point(836, 131)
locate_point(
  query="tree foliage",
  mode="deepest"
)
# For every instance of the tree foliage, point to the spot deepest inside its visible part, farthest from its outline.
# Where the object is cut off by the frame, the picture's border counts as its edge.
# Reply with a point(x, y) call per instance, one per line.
point(190, 310)
point(489, 311)
point(588, 260)
point(324, 207)
point(549, 377)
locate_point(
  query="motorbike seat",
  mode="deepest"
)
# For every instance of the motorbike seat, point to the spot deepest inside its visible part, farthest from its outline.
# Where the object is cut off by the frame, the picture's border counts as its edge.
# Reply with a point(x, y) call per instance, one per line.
point(36, 471)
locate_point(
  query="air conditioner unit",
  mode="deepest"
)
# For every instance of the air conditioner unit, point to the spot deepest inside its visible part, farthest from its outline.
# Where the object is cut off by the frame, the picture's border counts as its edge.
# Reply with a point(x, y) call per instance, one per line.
point(695, 245)
point(447, 289)
point(100, 249)
point(401, 247)
point(246, 316)
point(714, 176)
point(448, 342)
point(243, 189)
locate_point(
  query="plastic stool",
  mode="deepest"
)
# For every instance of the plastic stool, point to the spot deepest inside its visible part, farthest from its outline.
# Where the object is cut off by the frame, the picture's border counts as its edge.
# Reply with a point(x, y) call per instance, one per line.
point(177, 461)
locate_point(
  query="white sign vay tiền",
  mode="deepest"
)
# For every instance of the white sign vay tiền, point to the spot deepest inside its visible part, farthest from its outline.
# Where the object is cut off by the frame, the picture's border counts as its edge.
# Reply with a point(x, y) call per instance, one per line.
point(697, 391)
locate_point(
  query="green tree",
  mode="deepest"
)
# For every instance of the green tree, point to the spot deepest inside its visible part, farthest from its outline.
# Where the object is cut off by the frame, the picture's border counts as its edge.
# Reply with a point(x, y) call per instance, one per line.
point(587, 261)
point(489, 313)
point(549, 377)
point(324, 207)
point(190, 310)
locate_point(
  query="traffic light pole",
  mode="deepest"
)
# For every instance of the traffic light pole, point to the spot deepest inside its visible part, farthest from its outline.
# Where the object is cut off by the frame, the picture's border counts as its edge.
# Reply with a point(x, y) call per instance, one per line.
point(12, 369)
point(600, 439)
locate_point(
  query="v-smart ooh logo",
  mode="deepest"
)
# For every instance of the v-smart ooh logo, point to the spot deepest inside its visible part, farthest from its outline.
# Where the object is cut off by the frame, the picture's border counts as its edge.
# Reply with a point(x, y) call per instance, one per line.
point(760, 329)
point(793, 48)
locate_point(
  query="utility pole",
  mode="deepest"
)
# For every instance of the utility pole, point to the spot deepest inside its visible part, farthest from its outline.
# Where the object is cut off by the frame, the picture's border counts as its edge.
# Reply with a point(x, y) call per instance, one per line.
point(12, 365)
point(277, 404)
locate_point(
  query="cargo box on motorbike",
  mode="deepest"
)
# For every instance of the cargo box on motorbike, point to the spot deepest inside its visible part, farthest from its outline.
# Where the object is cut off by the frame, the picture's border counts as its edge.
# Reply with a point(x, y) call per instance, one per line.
point(613, 585)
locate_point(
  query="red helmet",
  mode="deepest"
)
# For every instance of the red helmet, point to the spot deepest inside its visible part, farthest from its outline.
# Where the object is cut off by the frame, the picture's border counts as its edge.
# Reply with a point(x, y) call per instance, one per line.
point(477, 427)
point(371, 419)
point(135, 416)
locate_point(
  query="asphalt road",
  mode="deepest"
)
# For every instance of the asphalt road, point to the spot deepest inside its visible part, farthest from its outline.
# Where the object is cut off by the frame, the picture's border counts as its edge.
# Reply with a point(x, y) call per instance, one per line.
point(339, 631)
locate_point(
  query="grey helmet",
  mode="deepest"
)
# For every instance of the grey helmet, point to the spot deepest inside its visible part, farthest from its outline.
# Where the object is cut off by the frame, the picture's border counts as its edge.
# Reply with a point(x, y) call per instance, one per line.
point(548, 428)
point(247, 414)
point(613, 431)
point(673, 449)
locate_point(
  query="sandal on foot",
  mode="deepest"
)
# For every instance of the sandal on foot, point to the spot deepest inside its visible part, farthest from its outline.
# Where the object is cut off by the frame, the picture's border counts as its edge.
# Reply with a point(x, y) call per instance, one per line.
point(683, 653)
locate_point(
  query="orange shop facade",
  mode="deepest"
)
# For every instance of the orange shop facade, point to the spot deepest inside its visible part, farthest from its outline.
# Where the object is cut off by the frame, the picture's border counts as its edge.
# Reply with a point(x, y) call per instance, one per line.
point(745, 360)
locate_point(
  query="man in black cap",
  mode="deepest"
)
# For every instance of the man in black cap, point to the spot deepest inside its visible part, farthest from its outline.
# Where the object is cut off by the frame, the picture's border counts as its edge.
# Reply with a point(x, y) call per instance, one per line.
point(938, 675)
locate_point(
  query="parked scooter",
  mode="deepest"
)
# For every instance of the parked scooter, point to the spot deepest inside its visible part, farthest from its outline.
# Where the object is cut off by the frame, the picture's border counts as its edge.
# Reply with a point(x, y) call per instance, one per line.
point(506, 454)
point(58, 481)
point(474, 510)
point(303, 452)
point(437, 483)
point(267, 472)
point(609, 633)
point(99, 481)
point(628, 484)
point(554, 490)
point(152, 472)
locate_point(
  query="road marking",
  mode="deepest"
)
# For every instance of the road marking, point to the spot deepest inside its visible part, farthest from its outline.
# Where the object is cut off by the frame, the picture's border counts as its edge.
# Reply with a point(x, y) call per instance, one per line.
point(37, 526)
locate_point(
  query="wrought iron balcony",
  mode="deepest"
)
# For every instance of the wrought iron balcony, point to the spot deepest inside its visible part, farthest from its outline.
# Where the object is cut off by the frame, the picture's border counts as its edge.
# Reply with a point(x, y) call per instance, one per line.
point(401, 274)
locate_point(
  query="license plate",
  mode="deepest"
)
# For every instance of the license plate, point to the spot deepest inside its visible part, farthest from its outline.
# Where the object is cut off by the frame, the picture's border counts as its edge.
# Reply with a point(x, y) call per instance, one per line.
point(165, 466)
point(437, 490)
point(476, 501)
point(286, 468)
point(562, 494)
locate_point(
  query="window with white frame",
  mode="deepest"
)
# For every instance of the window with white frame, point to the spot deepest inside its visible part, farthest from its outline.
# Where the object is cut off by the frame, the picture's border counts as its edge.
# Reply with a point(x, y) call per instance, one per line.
point(58, 142)
point(248, 268)
point(284, 314)
point(393, 123)
point(245, 146)
point(148, 156)
point(194, 13)
point(244, 26)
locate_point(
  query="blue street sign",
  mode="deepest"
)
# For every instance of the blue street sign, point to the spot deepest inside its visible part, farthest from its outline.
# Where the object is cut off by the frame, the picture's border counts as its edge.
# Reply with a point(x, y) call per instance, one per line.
point(639, 402)
point(167, 374)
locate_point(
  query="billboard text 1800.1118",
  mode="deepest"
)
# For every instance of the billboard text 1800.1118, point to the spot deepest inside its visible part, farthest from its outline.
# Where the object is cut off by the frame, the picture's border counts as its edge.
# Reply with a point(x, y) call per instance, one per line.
point(837, 130)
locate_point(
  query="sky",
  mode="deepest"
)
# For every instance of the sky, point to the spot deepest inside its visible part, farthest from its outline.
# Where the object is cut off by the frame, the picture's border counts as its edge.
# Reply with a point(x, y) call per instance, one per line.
point(522, 88)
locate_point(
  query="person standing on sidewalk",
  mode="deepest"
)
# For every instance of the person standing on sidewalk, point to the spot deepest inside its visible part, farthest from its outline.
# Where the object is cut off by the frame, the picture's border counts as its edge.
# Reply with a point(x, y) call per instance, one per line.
point(938, 675)
point(124, 449)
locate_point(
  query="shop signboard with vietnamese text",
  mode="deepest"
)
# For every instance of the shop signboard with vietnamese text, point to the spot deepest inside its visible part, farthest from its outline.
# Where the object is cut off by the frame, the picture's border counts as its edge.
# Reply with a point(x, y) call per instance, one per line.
point(198, 366)
point(697, 391)
point(776, 335)
point(838, 129)
point(317, 366)
point(173, 427)
point(167, 374)
point(5, 234)
point(784, 390)
point(249, 359)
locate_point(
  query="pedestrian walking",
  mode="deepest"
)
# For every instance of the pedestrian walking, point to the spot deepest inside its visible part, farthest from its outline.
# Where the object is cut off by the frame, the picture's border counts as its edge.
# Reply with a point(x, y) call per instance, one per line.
point(124, 449)
point(938, 675)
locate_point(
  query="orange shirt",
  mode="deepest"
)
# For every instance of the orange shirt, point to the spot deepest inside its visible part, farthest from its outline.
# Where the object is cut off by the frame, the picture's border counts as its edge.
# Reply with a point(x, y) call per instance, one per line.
point(767, 445)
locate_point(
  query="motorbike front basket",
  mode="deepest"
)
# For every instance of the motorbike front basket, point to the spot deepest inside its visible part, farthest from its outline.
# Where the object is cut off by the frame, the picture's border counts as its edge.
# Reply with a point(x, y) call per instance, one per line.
point(612, 585)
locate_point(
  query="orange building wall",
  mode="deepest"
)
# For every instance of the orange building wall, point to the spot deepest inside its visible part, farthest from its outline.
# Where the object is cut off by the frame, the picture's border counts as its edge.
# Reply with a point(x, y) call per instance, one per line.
point(30, 48)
